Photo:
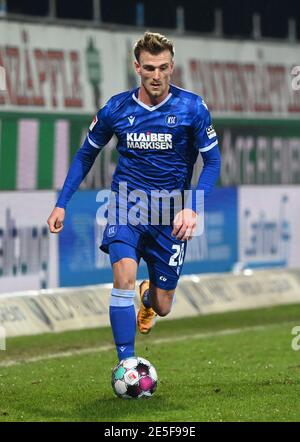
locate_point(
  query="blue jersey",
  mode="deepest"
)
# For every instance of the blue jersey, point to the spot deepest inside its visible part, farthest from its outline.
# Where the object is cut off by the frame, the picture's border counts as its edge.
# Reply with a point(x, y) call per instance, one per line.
point(158, 145)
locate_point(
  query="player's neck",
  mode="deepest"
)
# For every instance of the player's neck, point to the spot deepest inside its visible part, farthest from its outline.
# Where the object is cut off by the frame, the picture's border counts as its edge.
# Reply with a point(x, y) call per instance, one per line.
point(147, 99)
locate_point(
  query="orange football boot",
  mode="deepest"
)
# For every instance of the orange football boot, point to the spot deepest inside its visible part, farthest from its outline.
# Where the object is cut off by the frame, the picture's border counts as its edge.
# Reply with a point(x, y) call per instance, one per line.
point(146, 315)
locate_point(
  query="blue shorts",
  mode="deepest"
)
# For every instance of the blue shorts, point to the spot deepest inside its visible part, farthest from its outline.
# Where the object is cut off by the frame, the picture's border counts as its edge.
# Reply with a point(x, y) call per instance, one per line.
point(163, 254)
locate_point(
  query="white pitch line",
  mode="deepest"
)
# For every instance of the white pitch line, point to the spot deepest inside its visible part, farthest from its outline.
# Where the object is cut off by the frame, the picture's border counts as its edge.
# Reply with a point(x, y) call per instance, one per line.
point(91, 350)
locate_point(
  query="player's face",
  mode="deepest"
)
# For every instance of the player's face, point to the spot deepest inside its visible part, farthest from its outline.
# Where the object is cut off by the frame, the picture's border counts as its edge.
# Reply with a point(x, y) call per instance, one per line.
point(155, 72)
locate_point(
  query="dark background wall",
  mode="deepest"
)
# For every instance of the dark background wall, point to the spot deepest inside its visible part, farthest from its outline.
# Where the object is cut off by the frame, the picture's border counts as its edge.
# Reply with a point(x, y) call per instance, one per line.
point(199, 15)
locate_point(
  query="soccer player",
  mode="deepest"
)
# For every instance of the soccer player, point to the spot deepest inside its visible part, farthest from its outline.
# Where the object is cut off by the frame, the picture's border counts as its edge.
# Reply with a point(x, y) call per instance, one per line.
point(160, 129)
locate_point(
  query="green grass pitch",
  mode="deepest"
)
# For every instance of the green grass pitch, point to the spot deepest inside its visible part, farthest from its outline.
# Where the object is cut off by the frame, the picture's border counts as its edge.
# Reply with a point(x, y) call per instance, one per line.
point(237, 366)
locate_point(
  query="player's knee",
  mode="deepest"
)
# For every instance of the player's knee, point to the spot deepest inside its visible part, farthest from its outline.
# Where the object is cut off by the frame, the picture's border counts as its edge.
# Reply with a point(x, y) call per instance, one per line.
point(125, 283)
point(124, 272)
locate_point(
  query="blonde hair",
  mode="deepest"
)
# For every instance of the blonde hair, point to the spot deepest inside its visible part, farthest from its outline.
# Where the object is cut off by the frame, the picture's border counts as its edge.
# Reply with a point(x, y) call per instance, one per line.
point(154, 43)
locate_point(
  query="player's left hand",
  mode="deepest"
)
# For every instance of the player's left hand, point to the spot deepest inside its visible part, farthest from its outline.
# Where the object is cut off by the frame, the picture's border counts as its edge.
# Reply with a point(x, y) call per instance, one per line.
point(184, 224)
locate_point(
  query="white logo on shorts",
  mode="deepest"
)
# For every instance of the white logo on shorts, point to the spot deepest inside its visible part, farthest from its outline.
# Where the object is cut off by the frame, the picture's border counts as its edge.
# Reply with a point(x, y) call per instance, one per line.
point(112, 230)
point(163, 278)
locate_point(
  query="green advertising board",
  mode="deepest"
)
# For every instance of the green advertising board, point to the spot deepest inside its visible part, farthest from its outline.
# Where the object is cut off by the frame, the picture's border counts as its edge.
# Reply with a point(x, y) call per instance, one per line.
point(36, 150)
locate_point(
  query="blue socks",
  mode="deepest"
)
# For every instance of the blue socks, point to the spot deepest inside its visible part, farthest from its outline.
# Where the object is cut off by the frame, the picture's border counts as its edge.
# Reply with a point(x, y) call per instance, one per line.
point(123, 321)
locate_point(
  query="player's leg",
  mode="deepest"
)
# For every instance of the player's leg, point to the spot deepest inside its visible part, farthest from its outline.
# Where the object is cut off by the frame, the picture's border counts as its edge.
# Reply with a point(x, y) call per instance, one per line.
point(154, 301)
point(124, 260)
point(161, 300)
point(121, 242)
point(164, 256)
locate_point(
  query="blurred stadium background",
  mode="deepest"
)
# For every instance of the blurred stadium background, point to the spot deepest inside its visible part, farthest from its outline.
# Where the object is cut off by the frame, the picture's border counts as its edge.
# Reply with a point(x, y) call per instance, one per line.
point(59, 62)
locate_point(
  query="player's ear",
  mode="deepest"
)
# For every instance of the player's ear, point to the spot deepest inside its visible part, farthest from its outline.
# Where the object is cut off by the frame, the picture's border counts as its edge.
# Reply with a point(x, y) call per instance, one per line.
point(172, 67)
point(137, 67)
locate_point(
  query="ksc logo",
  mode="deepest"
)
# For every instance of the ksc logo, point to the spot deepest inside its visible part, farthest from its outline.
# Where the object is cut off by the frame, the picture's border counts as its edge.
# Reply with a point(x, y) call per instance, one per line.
point(171, 120)
point(112, 230)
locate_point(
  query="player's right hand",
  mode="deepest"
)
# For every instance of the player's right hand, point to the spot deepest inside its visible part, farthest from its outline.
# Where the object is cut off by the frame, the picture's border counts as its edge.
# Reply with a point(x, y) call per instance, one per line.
point(56, 220)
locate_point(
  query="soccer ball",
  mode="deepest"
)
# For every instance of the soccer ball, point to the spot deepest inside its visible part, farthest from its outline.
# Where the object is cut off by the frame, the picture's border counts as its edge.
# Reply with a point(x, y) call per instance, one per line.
point(134, 378)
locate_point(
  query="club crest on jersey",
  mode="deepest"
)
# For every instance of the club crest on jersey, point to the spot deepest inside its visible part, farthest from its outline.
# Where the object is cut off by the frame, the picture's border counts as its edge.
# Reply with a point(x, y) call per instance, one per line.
point(94, 122)
point(210, 130)
point(171, 120)
point(131, 119)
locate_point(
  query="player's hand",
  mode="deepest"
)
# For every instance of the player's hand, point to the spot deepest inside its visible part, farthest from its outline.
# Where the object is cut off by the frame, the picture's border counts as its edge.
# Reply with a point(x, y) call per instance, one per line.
point(56, 220)
point(184, 224)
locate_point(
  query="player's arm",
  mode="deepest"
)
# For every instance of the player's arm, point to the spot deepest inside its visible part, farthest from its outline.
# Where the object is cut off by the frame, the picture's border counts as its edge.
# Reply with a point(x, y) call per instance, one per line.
point(207, 143)
point(79, 168)
point(99, 134)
